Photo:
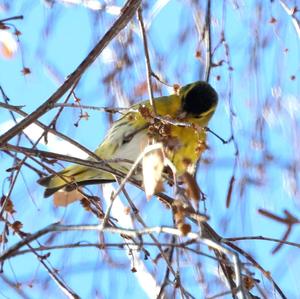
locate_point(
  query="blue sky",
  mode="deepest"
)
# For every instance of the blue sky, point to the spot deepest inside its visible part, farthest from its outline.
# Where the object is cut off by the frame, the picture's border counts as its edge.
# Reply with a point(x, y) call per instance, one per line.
point(264, 57)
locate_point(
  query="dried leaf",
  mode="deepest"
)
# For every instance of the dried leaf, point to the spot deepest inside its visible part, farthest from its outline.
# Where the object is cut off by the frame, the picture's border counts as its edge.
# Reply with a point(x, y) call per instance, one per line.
point(84, 116)
point(26, 71)
point(193, 190)
point(16, 226)
point(145, 112)
point(201, 146)
point(184, 228)
point(126, 210)
point(153, 165)
point(272, 20)
point(3, 26)
point(8, 44)
point(17, 32)
point(86, 204)
point(248, 282)
point(63, 198)
point(179, 217)
point(198, 54)
point(9, 206)
point(176, 88)
point(229, 192)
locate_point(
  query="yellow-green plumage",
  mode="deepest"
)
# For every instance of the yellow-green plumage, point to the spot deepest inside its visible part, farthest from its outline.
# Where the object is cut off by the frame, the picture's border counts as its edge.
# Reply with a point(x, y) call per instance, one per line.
point(128, 136)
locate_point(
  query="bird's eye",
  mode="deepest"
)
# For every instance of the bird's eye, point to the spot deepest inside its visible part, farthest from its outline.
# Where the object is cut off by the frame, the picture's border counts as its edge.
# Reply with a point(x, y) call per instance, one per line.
point(127, 138)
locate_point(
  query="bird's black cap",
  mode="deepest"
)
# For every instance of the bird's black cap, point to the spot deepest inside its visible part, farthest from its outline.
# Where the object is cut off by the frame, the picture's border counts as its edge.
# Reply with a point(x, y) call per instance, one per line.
point(197, 98)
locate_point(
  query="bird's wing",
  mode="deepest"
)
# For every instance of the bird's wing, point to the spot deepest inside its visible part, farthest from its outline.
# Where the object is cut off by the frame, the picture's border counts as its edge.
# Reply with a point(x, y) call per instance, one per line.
point(121, 133)
point(133, 123)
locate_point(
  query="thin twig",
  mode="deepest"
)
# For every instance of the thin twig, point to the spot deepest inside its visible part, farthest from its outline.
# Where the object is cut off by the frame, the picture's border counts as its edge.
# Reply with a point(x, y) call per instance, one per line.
point(160, 80)
point(128, 12)
point(134, 246)
point(134, 249)
point(18, 170)
point(262, 238)
point(167, 273)
point(39, 172)
point(128, 176)
point(12, 18)
point(147, 58)
point(265, 273)
point(61, 284)
point(6, 100)
point(101, 109)
point(102, 165)
point(12, 285)
point(291, 13)
point(18, 110)
point(42, 259)
point(140, 220)
point(56, 227)
point(219, 295)
point(133, 233)
point(208, 40)
point(207, 129)
point(231, 110)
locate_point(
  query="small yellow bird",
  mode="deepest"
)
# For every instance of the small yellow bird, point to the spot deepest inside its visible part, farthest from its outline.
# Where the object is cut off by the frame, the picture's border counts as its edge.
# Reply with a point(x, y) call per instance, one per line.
point(179, 125)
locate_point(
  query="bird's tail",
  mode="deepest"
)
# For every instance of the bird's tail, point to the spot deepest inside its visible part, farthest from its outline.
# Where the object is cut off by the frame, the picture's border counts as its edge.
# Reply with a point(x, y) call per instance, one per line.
point(72, 177)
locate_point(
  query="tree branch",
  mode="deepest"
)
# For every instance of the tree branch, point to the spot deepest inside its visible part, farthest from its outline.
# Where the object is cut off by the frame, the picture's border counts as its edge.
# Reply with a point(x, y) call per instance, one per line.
point(128, 12)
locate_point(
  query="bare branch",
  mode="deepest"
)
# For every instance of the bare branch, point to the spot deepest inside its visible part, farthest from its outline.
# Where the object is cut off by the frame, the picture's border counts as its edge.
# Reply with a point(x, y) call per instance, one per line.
point(128, 12)
point(147, 58)
point(291, 12)
point(208, 40)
